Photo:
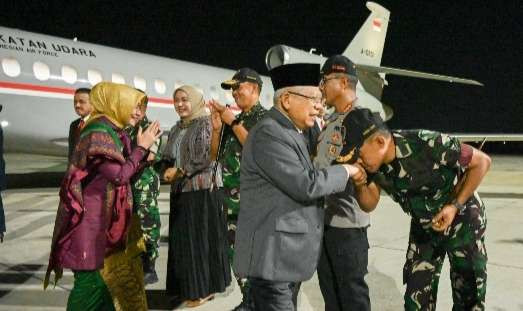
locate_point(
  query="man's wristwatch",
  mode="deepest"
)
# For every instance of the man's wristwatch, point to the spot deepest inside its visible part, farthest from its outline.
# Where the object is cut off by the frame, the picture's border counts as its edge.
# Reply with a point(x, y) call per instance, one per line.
point(235, 122)
point(460, 207)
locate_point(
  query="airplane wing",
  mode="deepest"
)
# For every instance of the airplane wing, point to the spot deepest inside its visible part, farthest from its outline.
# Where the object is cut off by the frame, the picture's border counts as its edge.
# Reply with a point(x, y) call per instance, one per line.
point(479, 137)
point(416, 74)
point(483, 138)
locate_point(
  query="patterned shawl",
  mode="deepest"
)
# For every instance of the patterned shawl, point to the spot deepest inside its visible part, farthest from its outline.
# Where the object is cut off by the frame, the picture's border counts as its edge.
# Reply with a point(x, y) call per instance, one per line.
point(98, 142)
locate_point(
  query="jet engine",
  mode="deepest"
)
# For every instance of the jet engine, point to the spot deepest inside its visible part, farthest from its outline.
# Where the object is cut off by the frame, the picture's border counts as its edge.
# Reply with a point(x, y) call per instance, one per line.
point(370, 84)
point(282, 54)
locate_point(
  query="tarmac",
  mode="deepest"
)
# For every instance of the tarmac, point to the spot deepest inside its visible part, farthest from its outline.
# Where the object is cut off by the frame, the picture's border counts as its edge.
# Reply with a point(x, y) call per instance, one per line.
point(30, 217)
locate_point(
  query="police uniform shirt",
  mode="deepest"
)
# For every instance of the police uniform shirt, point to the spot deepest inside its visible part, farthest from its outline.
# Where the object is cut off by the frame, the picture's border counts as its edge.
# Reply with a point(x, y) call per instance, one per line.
point(342, 209)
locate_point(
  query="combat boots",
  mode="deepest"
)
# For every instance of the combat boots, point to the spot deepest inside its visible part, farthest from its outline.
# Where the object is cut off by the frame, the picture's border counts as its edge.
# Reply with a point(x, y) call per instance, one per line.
point(149, 271)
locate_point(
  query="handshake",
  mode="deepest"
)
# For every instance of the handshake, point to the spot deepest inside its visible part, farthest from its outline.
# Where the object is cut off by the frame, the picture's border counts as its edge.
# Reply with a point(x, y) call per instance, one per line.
point(357, 173)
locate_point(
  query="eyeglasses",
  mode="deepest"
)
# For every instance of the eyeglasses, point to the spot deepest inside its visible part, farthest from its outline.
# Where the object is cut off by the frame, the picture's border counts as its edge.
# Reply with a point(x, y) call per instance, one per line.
point(314, 100)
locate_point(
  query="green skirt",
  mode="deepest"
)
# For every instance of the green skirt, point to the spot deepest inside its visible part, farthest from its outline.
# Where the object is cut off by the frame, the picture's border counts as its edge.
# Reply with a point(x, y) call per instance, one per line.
point(89, 293)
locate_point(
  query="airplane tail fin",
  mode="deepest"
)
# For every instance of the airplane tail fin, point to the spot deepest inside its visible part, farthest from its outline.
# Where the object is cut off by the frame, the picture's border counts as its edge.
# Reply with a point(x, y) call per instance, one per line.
point(367, 46)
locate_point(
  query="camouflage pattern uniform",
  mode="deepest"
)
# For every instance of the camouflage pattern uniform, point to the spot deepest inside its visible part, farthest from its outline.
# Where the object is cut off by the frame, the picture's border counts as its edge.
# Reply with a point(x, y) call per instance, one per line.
point(146, 188)
point(422, 179)
point(230, 158)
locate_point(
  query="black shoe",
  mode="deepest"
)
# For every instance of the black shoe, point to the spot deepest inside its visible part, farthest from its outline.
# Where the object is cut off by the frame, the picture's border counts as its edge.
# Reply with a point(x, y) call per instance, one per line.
point(247, 303)
point(243, 307)
point(150, 277)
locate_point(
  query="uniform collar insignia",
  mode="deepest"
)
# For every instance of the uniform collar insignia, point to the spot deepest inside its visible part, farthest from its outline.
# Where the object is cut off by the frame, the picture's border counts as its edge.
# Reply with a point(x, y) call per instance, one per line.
point(403, 149)
point(334, 115)
point(254, 108)
point(346, 158)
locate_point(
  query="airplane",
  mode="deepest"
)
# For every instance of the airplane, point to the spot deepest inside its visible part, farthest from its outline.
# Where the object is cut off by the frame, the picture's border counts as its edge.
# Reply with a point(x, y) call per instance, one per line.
point(39, 74)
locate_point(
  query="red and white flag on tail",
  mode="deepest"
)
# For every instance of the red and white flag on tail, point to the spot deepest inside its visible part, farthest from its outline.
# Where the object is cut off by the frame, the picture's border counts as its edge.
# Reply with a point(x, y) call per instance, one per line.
point(376, 24)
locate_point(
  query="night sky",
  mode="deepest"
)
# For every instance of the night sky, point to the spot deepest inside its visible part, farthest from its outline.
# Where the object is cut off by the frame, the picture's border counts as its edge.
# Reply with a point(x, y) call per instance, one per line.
point(481, 40)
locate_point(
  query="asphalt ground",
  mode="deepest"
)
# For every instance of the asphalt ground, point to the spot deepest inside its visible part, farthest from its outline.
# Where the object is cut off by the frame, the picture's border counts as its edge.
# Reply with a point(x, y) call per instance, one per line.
point(30, 216)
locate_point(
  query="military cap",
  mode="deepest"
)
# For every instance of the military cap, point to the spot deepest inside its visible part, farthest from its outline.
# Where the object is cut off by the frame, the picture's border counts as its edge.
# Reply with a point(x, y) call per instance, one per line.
point(242, 75)
point(338, 64)
point(359, 125)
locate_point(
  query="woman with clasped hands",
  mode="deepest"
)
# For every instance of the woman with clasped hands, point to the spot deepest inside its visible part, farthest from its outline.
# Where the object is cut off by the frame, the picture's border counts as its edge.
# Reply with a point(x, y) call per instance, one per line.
point(197, 265)
point(94, 213)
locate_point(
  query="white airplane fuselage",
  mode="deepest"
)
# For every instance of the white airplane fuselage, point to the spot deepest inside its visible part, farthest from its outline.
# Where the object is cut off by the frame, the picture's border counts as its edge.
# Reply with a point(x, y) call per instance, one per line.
point(39, 73)
point(38, 102)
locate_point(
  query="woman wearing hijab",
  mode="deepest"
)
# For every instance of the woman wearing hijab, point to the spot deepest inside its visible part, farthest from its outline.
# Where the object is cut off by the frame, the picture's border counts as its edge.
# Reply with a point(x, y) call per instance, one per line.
point(198, 264)
point(95, 207)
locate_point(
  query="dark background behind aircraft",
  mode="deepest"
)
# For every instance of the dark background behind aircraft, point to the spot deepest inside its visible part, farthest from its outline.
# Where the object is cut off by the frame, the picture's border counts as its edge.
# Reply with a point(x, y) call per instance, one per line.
point(471, 39)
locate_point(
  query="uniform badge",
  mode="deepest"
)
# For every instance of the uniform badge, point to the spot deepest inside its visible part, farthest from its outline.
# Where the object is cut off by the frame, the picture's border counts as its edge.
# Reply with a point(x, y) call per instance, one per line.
point(336, 137)
point(332, 150)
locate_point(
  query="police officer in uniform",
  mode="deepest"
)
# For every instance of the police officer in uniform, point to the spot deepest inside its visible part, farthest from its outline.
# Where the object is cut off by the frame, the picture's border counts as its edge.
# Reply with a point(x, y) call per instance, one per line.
point(344, 257)
point(434, 178)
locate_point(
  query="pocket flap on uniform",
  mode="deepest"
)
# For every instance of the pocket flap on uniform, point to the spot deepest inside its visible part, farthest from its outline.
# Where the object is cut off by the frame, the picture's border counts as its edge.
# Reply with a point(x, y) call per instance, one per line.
point(292, 225)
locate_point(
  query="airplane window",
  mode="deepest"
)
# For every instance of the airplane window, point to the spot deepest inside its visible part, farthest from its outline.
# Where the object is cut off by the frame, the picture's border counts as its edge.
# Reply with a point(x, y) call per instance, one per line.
point(11, 67)
point(41, 71)
point(69, 74)
point(140, 83)
point(94, 76)
point(118, 78)
point(159, 86)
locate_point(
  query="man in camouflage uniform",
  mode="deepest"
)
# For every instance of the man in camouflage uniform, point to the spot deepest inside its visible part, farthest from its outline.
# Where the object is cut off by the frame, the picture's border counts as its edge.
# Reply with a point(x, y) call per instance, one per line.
point(434, 178)
point(146, 188)
point(246, 86)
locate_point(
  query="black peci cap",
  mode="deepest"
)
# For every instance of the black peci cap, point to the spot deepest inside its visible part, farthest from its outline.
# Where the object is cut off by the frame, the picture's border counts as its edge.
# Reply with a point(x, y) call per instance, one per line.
point(359, 125)
point(295, 74)
point(242, 75)
point(339, 64)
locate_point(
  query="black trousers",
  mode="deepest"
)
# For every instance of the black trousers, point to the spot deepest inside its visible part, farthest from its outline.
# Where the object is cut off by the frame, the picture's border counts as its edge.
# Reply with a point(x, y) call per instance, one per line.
point(274, 296)
point(342, 268)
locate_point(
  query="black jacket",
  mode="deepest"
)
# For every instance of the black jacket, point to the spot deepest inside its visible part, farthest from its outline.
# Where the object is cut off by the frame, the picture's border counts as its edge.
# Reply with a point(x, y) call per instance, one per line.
point(74, 134)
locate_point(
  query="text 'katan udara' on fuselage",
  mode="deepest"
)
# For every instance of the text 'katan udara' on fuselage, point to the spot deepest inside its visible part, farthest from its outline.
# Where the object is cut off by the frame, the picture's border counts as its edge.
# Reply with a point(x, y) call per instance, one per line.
point(41, 47)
